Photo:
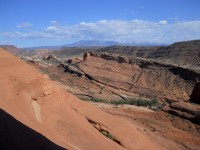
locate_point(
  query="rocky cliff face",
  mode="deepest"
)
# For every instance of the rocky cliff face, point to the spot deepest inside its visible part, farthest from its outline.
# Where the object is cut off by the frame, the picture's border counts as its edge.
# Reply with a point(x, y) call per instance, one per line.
point(185, 54)
point(181, 53)
point(142, 77)
point(134, 51)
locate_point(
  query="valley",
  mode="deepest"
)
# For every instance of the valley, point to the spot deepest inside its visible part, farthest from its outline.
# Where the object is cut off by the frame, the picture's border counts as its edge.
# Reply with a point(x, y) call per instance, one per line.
point(153, 91)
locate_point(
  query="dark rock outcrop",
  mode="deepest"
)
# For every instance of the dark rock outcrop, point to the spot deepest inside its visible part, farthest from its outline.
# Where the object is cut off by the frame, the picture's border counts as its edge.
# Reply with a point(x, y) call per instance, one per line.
point(71, 69)
point(86, 56)
point(195, 96)
point(185, 110)
point(51, 58)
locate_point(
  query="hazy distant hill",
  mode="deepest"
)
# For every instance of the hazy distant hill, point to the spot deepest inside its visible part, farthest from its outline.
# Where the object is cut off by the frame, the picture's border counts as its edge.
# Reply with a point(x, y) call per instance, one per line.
point(183, 53)
point(11, 48)
point(134, 51)
point(91, 43)
point(94, 43)
point(42, 47)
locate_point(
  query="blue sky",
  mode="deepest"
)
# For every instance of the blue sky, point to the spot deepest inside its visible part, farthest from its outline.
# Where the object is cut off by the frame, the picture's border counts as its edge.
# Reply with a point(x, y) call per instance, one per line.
point(27, 23)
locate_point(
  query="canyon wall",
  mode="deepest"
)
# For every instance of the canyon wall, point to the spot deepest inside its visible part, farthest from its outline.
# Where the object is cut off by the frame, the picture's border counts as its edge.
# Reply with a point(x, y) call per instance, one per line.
point(143, 77)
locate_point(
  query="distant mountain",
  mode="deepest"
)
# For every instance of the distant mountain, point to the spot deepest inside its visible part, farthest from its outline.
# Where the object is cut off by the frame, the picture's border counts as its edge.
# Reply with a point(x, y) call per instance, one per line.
point(94, 43)
point(11, 48)
point(141, 44)
point(42, 47)
point(91, 43)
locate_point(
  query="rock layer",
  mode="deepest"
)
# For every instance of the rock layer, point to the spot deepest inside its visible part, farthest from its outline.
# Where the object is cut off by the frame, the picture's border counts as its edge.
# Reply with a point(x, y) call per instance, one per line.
point(144, 77)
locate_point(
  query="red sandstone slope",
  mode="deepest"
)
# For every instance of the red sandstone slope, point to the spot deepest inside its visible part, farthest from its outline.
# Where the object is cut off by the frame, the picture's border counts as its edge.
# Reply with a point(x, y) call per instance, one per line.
point(45, 107)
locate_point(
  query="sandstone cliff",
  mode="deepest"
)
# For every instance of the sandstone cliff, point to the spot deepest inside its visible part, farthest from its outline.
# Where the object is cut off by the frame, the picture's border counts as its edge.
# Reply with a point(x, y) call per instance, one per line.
point(142, 77)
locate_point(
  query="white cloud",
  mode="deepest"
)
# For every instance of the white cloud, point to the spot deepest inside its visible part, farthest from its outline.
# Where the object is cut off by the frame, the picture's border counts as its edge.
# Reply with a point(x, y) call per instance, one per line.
point(162, 22)
point(52, 29)
point(24, 25)
point(118, 30)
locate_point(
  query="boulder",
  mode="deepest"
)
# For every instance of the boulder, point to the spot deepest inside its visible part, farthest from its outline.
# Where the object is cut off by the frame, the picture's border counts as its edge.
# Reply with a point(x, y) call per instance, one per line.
point(51, 58)
point(86, 56)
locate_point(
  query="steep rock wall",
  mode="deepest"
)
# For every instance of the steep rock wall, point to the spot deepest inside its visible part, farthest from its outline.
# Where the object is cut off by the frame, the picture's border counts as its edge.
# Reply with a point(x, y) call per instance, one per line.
point(140, 76)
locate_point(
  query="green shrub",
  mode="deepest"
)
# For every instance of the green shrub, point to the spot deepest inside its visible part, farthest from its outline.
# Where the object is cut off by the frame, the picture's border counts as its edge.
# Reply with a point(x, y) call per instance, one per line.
point(108, 135)
point(137, 102)
point(95, 100)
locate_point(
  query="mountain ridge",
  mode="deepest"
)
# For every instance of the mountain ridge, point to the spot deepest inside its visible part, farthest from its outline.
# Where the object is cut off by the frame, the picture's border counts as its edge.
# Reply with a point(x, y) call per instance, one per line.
point(95, 43)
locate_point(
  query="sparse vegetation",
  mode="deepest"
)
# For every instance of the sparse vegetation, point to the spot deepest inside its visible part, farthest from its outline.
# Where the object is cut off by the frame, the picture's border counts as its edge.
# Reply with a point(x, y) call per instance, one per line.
point(95, 100)
point(108, 135)
point(135, 102)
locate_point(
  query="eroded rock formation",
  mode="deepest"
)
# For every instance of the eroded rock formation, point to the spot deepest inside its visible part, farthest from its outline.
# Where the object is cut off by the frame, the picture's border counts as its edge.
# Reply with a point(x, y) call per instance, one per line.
point(51, 58)
point(142, 77)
